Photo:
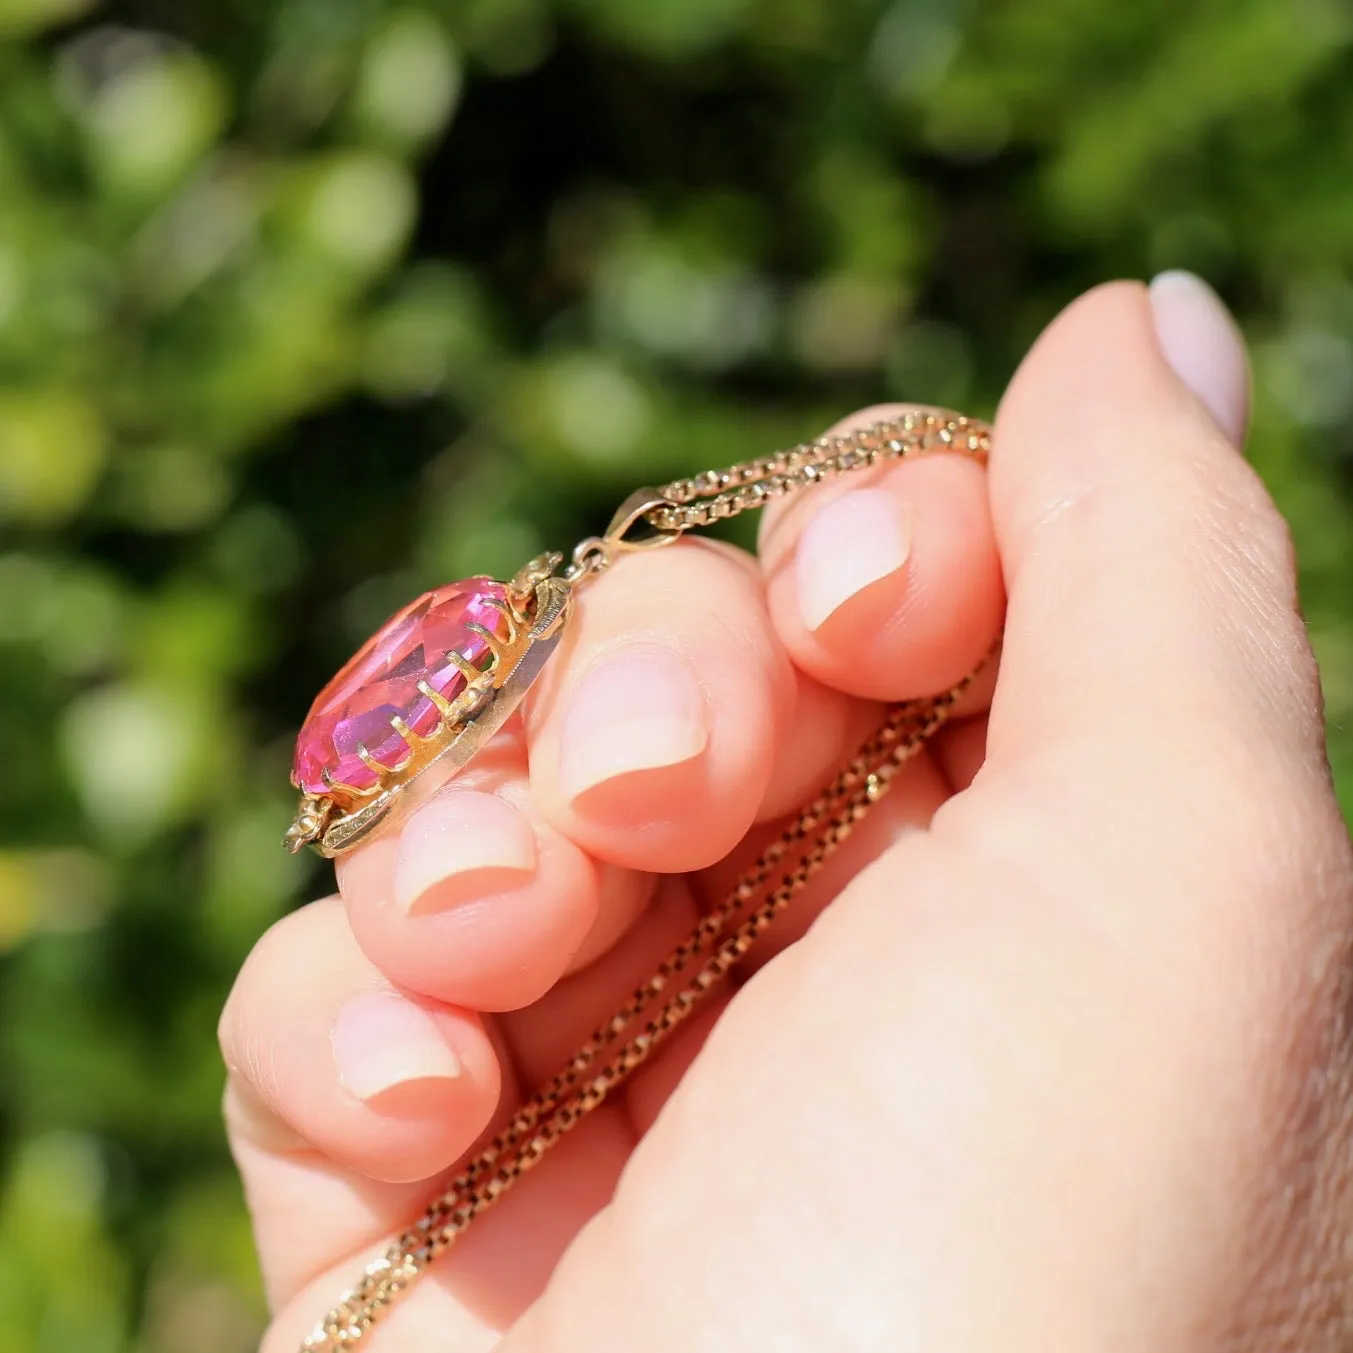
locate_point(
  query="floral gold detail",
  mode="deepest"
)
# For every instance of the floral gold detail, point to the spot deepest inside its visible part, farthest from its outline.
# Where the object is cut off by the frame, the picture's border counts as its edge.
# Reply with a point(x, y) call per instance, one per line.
point(421, 696)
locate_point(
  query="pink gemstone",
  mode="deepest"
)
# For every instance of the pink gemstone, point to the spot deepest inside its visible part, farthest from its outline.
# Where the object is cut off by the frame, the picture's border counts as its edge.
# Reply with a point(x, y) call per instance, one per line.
point(381, 681)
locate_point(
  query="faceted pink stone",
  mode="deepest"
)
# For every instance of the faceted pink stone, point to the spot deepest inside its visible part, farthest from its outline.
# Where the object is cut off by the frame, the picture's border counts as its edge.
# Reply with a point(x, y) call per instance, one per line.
point(381, 681)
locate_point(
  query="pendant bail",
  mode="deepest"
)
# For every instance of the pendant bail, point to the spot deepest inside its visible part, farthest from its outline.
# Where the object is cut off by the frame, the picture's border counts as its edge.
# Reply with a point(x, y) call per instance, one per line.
point(630, 528)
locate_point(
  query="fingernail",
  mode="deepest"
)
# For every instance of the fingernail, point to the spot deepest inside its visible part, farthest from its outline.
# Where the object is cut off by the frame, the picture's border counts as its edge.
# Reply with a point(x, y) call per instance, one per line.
point(1202, 342)
point(639, 709)
point(852, 542)
point(460, 845)
point(380, 1040)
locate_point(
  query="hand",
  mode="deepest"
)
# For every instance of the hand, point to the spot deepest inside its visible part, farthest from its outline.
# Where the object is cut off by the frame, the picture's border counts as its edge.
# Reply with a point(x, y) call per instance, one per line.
point(1066, 1064)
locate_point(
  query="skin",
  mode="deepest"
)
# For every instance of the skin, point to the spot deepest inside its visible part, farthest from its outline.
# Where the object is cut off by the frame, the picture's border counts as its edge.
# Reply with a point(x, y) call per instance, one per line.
point(1064, 1065)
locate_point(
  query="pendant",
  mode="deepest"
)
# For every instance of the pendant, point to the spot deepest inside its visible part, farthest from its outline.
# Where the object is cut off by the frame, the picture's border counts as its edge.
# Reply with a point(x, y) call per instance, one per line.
point(423, 695)
point(525, 619)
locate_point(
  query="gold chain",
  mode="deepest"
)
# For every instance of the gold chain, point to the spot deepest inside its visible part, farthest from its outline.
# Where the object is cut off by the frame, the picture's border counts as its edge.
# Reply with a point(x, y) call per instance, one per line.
point(719, 494)
point(723, 937)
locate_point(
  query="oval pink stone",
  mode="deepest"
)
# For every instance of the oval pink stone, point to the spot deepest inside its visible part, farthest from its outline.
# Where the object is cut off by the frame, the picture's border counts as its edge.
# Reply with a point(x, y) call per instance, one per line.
point(381, 681)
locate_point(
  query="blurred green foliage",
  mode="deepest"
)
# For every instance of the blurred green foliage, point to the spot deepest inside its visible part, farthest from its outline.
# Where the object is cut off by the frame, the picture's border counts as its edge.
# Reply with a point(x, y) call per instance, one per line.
point(308, 304)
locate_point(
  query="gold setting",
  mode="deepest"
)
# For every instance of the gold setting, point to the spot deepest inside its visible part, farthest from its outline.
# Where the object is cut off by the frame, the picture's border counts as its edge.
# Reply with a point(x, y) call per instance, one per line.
point(537, 607)
point(625, 1041)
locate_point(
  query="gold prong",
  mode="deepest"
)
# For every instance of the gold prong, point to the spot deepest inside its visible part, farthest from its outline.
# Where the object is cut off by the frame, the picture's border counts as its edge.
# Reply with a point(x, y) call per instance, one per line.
point(463, 665)
point(404, 731)
point(495, 645)
point(443, 706)
point(339, 787)
point(507, 613)
point(483, 683)
point(368, 760)
point(473, 698)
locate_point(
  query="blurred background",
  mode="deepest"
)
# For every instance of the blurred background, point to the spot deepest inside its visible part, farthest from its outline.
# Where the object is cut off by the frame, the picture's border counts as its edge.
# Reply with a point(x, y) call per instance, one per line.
point(306, 305)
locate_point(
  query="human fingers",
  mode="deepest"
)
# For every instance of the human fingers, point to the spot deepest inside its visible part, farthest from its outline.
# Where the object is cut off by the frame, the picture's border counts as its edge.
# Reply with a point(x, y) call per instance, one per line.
point(343, 1089)
point(544, 1037)
point(686, 723)
point(652, 742)
point(476, 1291)
point(959, 750)
point(886, 583)
point(497, 886)
point(350, 1104)
point(1121, 963)
point(686, 727)
point(915, 794)
point(477, 900)
point(1168, 566)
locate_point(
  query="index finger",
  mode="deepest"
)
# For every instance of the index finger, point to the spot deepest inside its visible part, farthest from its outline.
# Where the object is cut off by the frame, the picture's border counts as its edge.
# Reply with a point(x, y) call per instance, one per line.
point(885, 582)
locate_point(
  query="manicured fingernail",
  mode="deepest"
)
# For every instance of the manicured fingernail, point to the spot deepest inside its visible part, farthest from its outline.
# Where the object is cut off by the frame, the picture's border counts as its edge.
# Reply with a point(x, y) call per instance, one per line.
point(459, 845)
point(852, 542)
point(380, 1040)
point(1203, 343)
point(639, 709)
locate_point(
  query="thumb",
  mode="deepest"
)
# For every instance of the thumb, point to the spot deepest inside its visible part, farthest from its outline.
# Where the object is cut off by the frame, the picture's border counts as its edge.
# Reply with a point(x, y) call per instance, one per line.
point(1150, 577)
point(962, 1113)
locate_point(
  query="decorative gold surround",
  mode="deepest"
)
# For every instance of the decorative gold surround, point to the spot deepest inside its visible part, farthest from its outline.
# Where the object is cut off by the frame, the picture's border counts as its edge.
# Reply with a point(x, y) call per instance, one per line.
point(536, 609)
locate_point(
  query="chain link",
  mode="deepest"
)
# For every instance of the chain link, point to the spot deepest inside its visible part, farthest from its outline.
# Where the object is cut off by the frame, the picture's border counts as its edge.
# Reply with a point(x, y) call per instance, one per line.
point(717, 495)
point(724, 936)
point(590, 557)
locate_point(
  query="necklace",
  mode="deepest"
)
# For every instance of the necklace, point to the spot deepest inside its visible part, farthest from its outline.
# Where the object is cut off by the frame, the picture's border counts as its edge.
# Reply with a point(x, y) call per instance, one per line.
point(361, 769)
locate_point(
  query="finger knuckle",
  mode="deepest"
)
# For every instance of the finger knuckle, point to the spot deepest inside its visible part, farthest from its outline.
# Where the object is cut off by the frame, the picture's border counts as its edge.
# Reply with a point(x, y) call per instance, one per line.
point(1248, 523)
point(1245, 560)
point(269, 961)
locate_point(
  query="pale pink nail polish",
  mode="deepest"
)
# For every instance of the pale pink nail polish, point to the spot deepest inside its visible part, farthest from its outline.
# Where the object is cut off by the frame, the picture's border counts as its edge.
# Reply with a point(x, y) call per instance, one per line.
point(381, 1040)
point(1202, 342)
point(640, 708)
